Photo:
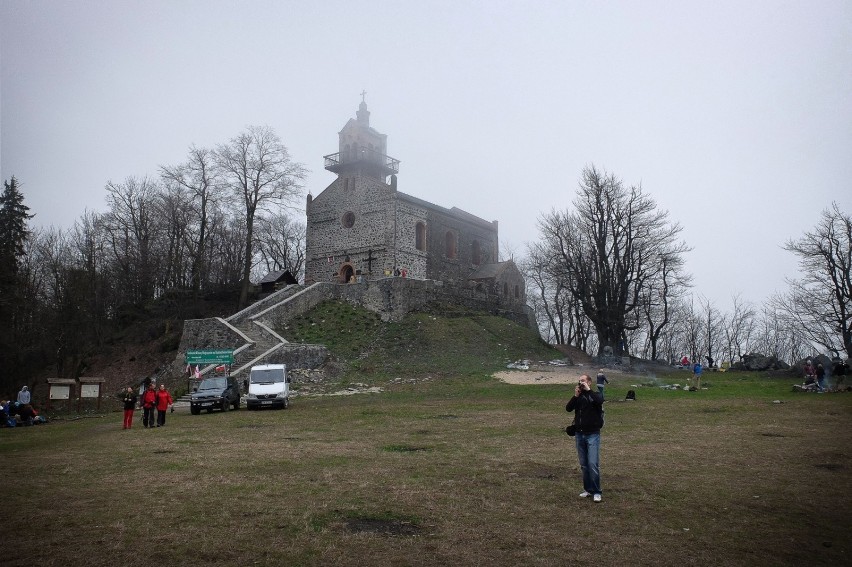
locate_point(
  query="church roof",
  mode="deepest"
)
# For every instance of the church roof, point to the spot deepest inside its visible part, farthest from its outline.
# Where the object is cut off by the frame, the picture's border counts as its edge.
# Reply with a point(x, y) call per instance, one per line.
point(353, 123)
point(279, 275)
point(455, 211)
point(490, 271)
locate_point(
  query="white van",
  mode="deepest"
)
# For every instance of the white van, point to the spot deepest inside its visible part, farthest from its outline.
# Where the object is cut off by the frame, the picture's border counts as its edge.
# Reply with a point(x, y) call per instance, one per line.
point(268, 387)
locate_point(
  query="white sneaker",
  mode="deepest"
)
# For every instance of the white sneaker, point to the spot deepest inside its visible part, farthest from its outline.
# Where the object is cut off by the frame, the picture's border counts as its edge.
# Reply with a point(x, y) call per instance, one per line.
point(585, 494)
point(597, 498)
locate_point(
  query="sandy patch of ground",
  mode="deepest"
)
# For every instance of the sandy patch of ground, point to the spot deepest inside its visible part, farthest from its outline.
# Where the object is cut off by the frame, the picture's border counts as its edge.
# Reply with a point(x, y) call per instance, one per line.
point(563, 375)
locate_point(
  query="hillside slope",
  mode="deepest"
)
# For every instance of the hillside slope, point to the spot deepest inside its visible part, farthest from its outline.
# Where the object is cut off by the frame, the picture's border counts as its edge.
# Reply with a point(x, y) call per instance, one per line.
point(443, 341)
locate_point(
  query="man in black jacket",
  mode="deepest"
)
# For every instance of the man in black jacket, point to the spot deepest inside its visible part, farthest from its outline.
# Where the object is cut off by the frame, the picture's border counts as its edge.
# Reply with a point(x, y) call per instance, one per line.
point(587, 406)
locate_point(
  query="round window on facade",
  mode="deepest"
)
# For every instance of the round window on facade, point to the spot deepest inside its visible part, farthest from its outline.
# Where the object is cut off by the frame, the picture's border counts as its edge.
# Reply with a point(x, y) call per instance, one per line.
point(348, 219)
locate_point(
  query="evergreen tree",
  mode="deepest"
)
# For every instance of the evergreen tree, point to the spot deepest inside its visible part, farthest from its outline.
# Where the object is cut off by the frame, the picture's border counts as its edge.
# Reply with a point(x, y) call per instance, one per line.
point(13, 235)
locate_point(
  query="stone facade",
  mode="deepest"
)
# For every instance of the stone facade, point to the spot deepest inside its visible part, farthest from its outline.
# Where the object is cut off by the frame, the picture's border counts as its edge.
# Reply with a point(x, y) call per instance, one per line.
point(361, 225)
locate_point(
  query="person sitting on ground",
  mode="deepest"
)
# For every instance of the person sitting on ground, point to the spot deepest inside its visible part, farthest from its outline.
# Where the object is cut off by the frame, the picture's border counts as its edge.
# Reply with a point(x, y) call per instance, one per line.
point(26, 414)
point(810, 384)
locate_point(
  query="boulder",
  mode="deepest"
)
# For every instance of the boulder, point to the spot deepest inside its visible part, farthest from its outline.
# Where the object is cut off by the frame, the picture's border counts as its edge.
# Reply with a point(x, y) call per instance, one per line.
point(757, 361)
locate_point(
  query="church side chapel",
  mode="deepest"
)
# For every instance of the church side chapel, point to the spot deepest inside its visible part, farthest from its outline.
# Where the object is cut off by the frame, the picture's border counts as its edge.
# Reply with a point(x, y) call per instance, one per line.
point(361, 227)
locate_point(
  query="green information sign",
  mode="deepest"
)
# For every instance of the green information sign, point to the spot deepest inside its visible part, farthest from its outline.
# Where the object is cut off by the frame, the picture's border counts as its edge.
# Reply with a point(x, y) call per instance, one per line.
point(209, 357)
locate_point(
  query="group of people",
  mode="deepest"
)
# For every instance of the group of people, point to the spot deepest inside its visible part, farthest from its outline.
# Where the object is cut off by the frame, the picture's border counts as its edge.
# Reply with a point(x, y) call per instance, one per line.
point(815, 376)
point(20, 411)
point(154, 399)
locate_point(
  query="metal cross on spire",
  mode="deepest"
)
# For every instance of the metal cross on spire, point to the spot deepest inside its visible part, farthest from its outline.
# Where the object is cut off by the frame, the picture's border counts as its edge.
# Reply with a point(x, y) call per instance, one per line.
point(363, 95)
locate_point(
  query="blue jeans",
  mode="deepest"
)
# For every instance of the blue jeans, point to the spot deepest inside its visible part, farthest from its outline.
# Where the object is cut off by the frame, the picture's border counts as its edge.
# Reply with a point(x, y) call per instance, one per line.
point(601, 390)
point(588, 451)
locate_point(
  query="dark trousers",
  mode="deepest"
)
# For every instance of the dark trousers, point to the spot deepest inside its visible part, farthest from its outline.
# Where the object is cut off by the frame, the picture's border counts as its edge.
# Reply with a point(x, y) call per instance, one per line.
point(161, 417)
point(148, 416)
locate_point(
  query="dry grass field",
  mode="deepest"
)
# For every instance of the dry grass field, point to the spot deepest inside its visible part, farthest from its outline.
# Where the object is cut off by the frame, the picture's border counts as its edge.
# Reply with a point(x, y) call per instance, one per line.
point(458, 470)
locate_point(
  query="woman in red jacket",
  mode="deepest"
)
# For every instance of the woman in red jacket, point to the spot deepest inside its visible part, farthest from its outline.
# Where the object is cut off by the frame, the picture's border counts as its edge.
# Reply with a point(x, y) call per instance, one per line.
point(164, 400)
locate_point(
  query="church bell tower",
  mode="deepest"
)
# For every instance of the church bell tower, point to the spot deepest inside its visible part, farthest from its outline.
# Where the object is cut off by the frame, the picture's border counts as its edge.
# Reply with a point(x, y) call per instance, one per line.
point(361, 149)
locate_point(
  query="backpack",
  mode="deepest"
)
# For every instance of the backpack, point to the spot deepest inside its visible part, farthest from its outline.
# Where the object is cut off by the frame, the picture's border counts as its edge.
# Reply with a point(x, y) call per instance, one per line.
point(631, 395)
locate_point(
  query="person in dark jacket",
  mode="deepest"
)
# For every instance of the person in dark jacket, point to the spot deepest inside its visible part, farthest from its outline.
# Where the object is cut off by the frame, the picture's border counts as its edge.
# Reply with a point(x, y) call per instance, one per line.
point(820, 378)
point(129, 401)
point(602, 382)
point(149, 406)
point(587, 406)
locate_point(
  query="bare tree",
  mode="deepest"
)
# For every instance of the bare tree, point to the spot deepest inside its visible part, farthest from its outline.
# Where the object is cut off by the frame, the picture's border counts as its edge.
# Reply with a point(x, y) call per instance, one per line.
point(609, 250)
point(667, 285)
point(225, 253)
point(693, 333)
point(550, 295)
point(281, 244)
point(740, 329)
point(131, 228)
point(198, 178)
point(820, 303)
point(257, 169)
point(712, 325)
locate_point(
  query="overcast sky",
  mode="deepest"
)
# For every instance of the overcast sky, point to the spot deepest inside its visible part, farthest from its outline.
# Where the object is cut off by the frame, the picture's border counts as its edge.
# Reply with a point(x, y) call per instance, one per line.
point(736, 117)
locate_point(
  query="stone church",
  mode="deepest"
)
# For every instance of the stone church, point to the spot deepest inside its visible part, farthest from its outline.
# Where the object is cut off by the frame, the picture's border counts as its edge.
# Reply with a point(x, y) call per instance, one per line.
point(361, 227)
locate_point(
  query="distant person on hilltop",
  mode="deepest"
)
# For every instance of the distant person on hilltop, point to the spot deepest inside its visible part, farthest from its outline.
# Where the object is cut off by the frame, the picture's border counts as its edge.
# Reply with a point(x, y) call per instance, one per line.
point(24, 396)
point(809, 370)
point(839, 372)
point(696, 374)
point(820, 378)
point(602, 381)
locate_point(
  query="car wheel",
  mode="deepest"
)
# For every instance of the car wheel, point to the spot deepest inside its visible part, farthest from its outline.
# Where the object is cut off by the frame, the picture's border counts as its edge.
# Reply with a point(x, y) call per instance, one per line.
point(237, 405)
point(286, 403)
point(226, 405)
point(194, 410)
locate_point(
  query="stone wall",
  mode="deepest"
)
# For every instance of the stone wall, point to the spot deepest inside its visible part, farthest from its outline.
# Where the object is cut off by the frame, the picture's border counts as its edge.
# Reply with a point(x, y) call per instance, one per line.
point(208, 334)
point(392, 298)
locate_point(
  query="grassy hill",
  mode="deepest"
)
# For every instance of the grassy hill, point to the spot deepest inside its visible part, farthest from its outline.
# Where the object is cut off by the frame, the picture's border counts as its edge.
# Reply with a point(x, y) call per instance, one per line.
point(443, 341)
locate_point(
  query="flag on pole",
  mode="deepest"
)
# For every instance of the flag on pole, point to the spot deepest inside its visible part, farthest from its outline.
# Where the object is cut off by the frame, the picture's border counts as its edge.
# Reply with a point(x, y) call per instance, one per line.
point(188, 368)
point(220, 368)
point(197, 372)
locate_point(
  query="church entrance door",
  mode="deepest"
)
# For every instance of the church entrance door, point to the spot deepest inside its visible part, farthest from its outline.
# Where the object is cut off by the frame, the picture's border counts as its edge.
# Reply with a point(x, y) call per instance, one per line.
point(346, 272)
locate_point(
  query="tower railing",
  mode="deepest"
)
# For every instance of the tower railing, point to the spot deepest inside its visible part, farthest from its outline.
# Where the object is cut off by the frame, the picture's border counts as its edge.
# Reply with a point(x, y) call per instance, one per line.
point(362, 157)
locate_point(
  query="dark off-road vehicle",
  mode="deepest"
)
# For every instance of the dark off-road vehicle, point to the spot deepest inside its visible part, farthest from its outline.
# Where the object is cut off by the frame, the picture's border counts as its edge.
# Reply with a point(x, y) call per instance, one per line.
point(218, 392)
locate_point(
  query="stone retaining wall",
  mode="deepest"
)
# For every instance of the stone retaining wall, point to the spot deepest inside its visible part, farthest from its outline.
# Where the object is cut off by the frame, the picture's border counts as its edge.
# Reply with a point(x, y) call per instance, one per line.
point(392, 298)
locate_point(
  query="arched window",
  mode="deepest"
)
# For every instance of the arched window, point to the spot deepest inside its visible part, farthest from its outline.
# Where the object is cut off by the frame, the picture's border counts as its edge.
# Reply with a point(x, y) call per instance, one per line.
point(420, 236)
point(346, 184)
point(450, 244)
point(348, 219)
point(517, 292)
point(505, 289)
point(476, 253)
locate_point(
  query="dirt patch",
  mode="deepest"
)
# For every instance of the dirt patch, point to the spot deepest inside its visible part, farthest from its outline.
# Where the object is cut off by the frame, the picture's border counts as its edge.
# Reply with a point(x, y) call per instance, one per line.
point(391, 527)
point(555, 375)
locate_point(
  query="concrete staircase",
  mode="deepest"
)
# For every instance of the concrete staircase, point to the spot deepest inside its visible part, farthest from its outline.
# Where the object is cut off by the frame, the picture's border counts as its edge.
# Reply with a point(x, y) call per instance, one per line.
point(252, 326)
